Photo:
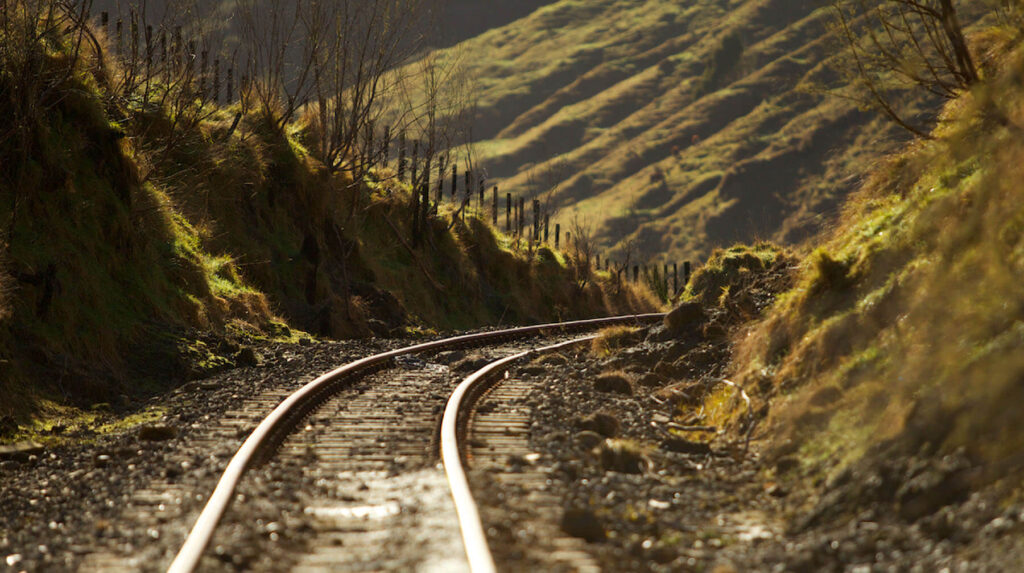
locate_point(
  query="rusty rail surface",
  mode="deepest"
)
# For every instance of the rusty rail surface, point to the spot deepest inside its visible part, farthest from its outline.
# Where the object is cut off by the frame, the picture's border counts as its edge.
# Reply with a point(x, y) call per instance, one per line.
point(289, 413)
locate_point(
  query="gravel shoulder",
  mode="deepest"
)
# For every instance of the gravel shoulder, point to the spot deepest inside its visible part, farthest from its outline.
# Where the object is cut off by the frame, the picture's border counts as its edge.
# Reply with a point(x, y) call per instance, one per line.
point(643, 496)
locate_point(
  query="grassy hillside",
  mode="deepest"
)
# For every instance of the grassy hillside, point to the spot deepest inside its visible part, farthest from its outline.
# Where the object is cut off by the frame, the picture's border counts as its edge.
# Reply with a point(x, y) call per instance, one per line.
point(901, 341)
point(675, 126)
point(139, 248)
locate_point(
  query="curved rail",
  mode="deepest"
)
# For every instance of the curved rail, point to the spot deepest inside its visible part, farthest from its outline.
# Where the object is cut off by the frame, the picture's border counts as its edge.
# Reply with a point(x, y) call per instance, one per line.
point(452, 425)
point(297, 405)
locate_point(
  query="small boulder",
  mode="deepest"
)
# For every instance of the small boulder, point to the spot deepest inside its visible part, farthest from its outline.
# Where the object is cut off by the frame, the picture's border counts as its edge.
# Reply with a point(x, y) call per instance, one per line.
point(247, 357)
point(652, 380)
point(588, 440)
point(614, 383)
point(682, 316)
point(584, 524)
point(601, 423)
point(157, 433)
point(684, 446)
point(623, 457)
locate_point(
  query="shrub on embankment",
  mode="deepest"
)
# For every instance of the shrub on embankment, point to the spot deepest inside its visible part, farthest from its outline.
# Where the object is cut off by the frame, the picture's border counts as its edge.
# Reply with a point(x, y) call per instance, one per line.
point(121, 251)
point(904, 333)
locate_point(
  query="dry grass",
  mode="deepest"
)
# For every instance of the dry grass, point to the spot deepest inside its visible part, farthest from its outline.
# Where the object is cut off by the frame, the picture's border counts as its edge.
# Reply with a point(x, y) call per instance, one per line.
point(906, 326)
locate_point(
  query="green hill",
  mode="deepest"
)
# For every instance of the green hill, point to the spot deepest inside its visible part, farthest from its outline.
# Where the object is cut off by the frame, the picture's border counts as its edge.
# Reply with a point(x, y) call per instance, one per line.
point(674, 126)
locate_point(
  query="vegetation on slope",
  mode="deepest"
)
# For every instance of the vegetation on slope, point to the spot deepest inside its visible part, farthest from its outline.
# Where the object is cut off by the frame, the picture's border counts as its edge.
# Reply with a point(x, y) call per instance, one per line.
point(140, 230)
point(903, 334)
point(676, 128)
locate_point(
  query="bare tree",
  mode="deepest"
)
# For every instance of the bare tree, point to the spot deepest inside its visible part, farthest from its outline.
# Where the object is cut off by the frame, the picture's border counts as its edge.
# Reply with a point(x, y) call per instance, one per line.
point(899, 43)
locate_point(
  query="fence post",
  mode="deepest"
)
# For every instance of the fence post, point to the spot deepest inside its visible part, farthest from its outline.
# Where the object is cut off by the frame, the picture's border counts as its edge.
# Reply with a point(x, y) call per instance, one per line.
point(401, 156)
point(415, 162)
point(494, 207)
point(441, 166)
point(547, 220)
point(163, 48)
point(119, 26)
point(483, 189)
point(508, 213)
point(385, 148)
point(558, 234)
point(675, 279)
point(229, 96)
point(133, 30)
point(149, 47)
point(636, 273)
point(686, 273)
point(522, 215)
point(204, 60)
point(468, 200)
point(455, 181)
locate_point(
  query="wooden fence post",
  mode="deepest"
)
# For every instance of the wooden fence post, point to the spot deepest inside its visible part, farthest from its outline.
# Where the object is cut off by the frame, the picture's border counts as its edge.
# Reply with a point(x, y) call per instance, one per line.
point(547, 220)
point(494, 207)
point(468, 199)
point(558, 234)
point(415, 163)
point(149, 47)
point(455, 181)
point(483, 189)
point(636, 273)
point(204, 61)
point(119, 26)
point(229, 96)
point(442, 164)
point(537, 219)
point(508, 213)
point(675, 279)
point(686, 273)
point(385, 148)
point(522, 215)
point(401, 156)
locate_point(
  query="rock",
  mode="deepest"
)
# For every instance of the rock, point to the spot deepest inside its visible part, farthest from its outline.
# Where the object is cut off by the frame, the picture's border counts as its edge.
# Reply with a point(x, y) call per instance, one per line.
point(934, 488)
point(684, 446)
point(601, 423)
point(20, 451)
point(614, 383)
point(651, 380)
point(7, 426)
point(623, 457)
point(471, 363)
point(157, 433)
point(534, 369)
point(786, 464)
point(102, 460)
point(247, 357)
point(305, 341)
point(377, 327)
point(584, 524)
point(553, 360)
point(228, 347)
point(588, 440)
point(683, 316)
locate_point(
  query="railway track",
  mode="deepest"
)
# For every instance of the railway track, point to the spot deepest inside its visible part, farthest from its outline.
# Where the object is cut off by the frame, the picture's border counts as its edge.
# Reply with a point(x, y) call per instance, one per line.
point(357, 450)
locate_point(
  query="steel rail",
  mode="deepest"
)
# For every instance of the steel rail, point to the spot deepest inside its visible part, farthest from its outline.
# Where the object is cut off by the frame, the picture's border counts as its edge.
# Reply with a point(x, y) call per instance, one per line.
point(298, 404)
point(455, 419)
